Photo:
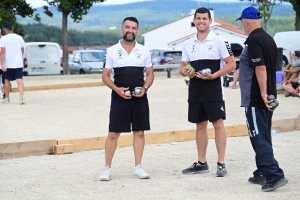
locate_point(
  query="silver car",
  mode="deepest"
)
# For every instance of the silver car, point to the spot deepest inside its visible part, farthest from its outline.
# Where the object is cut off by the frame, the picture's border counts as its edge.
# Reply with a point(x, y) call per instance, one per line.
point(86, 61)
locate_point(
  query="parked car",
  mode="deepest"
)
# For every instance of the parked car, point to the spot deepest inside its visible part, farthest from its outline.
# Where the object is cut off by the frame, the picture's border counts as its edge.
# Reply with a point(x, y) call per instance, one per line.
point(86, 61)
point(42, 58)
point(165, 56)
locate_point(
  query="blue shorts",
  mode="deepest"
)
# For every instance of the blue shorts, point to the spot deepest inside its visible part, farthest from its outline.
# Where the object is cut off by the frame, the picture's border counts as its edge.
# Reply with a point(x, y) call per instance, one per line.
point(12, 74)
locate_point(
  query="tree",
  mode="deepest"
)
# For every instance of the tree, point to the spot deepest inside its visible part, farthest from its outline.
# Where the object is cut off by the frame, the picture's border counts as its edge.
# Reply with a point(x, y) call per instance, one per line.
point(9, 9)
point(296, 7)
point(266, 8)
point(76, 9)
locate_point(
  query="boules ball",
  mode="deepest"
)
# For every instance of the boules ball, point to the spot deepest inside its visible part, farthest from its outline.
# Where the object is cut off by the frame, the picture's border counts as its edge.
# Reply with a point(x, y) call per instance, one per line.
point(187, 67)
point(137, 91)
point(127, 92)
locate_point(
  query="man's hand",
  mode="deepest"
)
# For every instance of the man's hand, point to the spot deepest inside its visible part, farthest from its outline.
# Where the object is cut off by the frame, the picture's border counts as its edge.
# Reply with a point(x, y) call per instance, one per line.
point(142, 93)
point(121, 92)
point(267, 102)
point(208, 76)
point(3, 68)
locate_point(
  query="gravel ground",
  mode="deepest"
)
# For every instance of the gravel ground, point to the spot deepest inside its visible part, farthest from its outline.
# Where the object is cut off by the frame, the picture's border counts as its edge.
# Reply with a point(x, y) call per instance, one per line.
point(83, 112)
point(75, 176)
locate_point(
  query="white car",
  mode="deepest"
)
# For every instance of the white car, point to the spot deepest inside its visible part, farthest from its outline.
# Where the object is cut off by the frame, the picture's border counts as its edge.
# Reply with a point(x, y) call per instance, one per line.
point(86, 61)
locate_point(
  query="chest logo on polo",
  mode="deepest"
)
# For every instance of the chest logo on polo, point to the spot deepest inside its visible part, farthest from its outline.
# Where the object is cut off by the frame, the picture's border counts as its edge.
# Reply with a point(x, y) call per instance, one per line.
point(256, 60)
point(210, 47)
point(120, 55)
point(193, 49)
point(138, 56)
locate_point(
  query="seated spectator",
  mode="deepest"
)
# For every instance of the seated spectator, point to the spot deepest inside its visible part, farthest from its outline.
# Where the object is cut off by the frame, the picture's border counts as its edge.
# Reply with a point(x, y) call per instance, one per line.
point(292, 87)
point(292, 70)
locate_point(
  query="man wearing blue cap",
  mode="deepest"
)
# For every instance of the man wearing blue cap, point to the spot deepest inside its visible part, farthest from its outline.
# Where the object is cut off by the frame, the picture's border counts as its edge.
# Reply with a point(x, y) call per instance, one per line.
point(257, 81)
point(12, 50)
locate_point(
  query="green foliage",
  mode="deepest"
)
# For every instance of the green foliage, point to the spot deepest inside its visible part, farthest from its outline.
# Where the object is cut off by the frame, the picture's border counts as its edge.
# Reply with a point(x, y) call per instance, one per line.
point(44, 33)
point(9, 9)
point(275, 24)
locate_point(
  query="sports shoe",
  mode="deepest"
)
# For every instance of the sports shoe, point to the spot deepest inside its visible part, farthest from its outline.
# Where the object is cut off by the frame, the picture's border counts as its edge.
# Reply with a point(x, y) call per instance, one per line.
point(22, 100)
point(256, 179)
point(196, 168)
point(5, 100)
point(106, 174)
point(140, 172)
point(279, 183)
point(221, 170)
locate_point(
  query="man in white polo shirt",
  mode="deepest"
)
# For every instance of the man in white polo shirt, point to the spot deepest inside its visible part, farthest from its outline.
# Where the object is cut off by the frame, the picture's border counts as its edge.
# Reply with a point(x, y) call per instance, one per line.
point(12, 50)
point(206, 97)
point(129, 111)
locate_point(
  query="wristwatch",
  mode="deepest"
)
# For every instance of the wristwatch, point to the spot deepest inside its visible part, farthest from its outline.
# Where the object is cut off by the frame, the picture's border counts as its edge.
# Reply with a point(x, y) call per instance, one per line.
point(146, 88)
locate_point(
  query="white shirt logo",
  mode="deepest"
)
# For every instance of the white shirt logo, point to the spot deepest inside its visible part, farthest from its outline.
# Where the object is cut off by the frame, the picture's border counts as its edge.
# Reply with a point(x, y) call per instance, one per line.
point(222, 108)
point(256, 60)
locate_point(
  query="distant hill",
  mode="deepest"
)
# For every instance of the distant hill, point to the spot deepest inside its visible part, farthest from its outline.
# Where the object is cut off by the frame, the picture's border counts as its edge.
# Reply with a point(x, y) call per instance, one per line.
point(149, 13)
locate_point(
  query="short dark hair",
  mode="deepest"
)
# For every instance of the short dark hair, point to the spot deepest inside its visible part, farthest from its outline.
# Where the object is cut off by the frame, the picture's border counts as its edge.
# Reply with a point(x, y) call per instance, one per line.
point(133, 19)
point(297, 53)
point(202, 10)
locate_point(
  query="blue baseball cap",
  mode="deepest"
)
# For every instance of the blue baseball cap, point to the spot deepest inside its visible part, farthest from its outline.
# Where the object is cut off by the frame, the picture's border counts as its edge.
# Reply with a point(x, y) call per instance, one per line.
point(250, 13)
point(8, 25)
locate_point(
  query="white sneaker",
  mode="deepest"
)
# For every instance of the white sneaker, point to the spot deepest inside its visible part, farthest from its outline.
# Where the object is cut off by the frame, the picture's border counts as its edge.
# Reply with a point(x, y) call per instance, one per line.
point(140, 172)
point(106, 174)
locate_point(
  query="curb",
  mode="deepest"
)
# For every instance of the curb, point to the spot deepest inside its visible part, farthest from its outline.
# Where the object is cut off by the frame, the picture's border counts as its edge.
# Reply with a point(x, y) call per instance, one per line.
point(57, 147)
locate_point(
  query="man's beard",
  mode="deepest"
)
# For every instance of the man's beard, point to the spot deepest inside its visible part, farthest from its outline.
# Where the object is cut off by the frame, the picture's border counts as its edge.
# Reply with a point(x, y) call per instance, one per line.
point(129, 39)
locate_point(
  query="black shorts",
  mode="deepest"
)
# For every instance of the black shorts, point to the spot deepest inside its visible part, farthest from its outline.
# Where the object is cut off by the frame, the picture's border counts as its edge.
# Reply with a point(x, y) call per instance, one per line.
point(128, 115)
point(203, 111)
point(1, 75)
point(295, 84)
point(13, 73)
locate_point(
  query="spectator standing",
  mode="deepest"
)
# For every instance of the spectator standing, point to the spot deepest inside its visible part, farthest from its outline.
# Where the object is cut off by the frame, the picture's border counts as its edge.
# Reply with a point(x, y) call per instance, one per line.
point(257, 81)
point(127, 60)
point(12, 50)
point(206, 99)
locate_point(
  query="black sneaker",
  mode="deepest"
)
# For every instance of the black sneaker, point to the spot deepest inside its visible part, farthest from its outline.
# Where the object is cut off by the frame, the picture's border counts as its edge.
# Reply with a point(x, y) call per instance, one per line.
point(221, 170)
point(196, 168)
point(256, 179)
point(279, 183)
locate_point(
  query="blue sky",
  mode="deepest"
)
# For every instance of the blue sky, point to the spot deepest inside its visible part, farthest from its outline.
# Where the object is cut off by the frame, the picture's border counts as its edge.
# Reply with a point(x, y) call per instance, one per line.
point(39, 3)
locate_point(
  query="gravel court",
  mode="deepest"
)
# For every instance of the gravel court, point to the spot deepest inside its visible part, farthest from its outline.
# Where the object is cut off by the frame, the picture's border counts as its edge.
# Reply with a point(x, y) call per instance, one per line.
point(83, 112)
point(75, 176)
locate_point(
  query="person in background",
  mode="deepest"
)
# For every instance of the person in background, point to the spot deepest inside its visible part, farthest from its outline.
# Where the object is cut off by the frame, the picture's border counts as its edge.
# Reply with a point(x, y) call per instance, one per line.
point(292, 87)
point(129, 111)
point(1, 73)
point(206, 97)
point(257, 81)
point(292, 70)
point(12, 50)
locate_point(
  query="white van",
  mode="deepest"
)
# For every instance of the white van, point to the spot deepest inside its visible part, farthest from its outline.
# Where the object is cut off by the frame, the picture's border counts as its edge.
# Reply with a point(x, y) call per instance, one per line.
point(289, 41)
point(42, 58)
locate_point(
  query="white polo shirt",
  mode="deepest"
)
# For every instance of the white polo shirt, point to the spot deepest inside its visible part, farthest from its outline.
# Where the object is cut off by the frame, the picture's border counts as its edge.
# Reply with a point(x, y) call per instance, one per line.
point(207, 54)
point(128, 69)
point(13, 54)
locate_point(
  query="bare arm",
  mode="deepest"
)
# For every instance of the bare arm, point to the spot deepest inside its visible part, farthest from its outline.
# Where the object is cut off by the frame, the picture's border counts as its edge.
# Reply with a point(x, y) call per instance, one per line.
point(22, 49)
point(261, 75)
point(149, 77)
point(107, 80)
point(3, 52)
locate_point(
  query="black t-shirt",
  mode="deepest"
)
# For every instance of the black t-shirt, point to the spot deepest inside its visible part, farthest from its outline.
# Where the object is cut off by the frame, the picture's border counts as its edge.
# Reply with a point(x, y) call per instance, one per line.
point(262, 50)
